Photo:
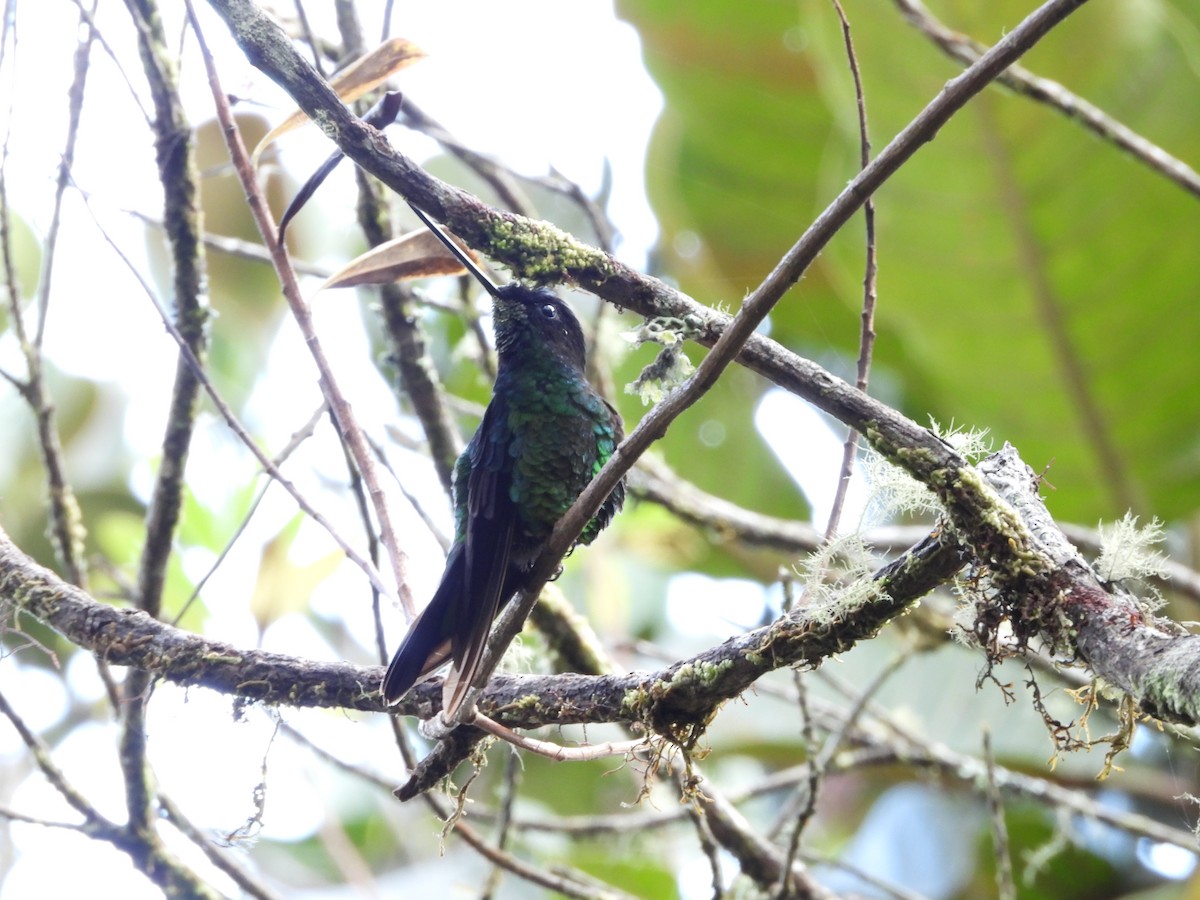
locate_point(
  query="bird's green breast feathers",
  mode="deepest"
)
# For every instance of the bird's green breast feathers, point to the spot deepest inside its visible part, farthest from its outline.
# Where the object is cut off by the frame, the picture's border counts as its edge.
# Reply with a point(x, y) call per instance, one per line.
point(562, 434)
point(550, 434)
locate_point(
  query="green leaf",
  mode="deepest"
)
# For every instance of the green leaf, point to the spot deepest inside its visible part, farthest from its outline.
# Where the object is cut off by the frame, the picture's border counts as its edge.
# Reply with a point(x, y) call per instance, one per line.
point(25, 250)
point(1033, 279)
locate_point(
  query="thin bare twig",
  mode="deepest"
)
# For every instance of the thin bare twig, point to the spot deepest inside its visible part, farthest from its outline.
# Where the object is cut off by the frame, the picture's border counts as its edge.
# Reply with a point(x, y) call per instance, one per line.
point(1054, 95)
point(291, 291)
point(866, 340)
point(1005, 889)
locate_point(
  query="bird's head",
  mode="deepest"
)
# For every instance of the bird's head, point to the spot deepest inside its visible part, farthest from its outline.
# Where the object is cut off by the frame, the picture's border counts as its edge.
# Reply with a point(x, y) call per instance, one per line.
point(535, 320)
point(528, 319)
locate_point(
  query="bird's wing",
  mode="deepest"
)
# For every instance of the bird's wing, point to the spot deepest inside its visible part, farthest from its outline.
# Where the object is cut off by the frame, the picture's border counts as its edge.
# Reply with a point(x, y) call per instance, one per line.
point(426, 647)
point(607, 432)
point(456, 622)
point(487, 543)
point(612, 504)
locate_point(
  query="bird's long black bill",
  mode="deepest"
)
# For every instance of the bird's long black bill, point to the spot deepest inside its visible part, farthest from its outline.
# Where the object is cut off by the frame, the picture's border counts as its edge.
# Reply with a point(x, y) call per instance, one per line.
point(469, 264)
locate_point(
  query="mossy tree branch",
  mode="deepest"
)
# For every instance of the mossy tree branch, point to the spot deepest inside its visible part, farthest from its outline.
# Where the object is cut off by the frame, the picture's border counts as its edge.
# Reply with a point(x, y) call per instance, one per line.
point(677, 697)
point(177, 173)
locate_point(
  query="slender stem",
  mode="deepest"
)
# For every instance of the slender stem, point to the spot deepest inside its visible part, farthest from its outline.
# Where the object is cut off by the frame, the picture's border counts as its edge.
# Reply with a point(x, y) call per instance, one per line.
point(1054, 95)
point(866, 340)
point(291, 290)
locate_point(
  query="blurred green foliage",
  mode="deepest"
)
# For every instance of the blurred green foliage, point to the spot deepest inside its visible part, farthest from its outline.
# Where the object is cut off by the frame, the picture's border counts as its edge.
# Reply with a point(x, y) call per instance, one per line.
point(1033, 279)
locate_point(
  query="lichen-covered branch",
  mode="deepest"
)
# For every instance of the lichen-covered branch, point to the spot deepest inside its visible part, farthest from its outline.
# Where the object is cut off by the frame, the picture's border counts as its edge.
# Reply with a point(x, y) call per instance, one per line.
point(1154, 661)
point(690, 691)
point(177, 174)
point(1117, 639)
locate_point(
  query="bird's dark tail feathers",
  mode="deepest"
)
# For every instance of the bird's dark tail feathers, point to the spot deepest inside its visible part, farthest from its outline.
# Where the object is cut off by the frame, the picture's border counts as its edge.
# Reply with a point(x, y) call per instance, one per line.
point(454, 627)
point(426, 647)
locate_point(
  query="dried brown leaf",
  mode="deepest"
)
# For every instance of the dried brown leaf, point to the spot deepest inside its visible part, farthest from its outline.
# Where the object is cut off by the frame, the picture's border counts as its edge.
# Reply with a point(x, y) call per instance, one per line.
point(418, 254)
point(363, 75)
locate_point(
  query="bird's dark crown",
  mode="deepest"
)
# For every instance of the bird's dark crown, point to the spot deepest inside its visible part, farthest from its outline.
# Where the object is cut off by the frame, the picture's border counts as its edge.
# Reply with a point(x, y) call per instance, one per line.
point(535, 320)
point(528, 320)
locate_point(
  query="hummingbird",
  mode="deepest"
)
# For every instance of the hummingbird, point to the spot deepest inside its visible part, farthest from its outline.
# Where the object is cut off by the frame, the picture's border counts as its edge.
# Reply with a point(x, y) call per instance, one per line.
point(543, 437)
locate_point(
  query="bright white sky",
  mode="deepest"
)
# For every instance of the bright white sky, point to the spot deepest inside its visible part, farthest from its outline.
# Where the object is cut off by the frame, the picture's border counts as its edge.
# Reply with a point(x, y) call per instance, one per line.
point(593, 56)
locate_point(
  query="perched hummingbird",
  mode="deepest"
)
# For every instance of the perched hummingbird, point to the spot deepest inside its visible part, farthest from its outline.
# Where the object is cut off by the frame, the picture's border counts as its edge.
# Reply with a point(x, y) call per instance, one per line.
point(543, 437)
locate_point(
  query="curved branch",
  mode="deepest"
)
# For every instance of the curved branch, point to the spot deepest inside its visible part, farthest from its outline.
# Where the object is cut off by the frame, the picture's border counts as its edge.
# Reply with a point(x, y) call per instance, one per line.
point(687, 692)
point(1044, 90)
point(1155, 661)
point(1157, 666)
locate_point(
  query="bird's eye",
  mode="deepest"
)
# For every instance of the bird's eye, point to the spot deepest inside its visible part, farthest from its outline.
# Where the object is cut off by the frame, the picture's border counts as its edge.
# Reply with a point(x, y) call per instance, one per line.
point(549, 311)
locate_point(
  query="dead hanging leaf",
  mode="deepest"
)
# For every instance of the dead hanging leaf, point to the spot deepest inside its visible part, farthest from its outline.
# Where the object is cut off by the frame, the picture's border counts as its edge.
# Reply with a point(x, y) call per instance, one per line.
point(363, 75)
point(418, 254)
